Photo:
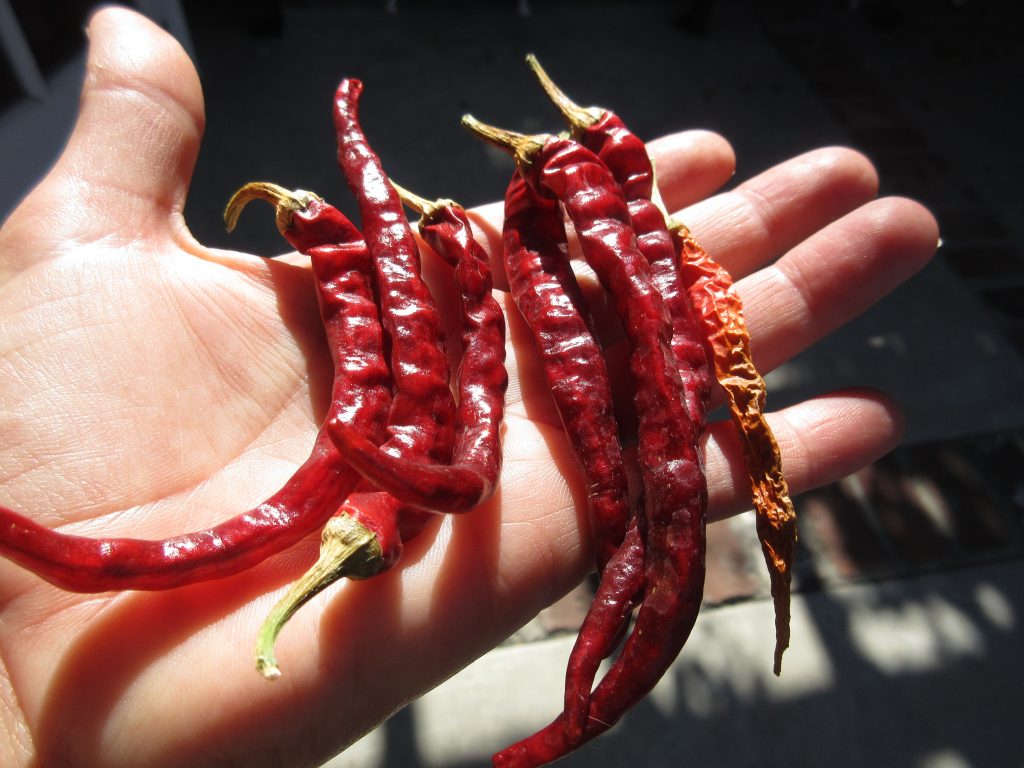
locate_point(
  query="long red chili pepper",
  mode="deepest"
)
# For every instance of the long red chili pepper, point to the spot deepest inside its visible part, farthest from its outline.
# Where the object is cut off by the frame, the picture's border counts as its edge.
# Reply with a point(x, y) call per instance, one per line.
point(476, 460)
point(421, 422)
point(547, 296)
point(361, 396)
point(673, 478)
point(687, 277)
point(626, 158)
point(625, 154)
point(362, 537)
point(544, 290)
point(423, 399)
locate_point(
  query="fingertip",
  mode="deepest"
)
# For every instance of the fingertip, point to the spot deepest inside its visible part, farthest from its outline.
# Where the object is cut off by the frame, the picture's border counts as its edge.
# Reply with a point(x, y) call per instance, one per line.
point(127, 48)
point(853, 166)
point(690, 165)
point(909, 226)
point(869, 406)
point(130, 156)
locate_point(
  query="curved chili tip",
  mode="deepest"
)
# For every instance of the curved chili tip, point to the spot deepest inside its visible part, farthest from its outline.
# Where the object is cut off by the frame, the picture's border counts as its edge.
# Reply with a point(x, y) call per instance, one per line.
point(347, 548)
point(286, 203)
point(437, 487)
point(349, 90)
point(579, 118)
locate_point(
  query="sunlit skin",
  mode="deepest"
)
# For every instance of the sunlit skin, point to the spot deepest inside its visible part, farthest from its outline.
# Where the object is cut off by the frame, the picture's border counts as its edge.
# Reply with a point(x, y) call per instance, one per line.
point(150, 386)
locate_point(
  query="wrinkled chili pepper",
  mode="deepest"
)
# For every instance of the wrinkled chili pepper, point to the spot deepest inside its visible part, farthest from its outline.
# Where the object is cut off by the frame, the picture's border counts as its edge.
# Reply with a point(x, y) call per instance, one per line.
point(687, 276)
point(361, 396)
point(721, 311)
point(423, 400)
point(675, 491)
point(421, 422)
point(473, 473)
point(549, 299)
point(362, 538)
point(625, 155)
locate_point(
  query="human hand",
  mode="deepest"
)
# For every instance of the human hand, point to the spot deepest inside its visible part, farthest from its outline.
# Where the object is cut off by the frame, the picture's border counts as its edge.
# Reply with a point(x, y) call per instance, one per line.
point(152, 386)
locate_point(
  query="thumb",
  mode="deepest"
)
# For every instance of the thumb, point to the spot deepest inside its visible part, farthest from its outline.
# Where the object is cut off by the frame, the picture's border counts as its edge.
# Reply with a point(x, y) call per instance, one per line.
point(126, 168)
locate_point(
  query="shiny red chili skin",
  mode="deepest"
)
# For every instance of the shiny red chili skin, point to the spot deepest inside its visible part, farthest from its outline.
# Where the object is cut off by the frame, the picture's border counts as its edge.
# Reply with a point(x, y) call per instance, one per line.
point(361, 396)
point(472, 476)
point(547, 296)
point(423, 408)
point(421, 424)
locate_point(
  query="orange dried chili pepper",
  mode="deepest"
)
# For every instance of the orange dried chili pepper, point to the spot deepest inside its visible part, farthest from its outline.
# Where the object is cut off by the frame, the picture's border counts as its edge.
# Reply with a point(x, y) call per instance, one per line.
point(721, 311)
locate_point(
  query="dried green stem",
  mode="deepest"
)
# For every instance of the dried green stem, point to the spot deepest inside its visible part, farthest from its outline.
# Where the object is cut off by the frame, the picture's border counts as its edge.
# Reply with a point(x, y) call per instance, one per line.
point(347, 548)
point(522, 147)
point(579, 118)
point(427, 209)
point(286, 203)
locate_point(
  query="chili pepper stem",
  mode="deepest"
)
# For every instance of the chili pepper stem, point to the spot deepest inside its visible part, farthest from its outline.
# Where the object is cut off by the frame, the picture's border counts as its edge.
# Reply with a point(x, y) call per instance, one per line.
point(522, 147)
point(286, 203)
point(579, 118)
point(347, 548)
point(427, 209)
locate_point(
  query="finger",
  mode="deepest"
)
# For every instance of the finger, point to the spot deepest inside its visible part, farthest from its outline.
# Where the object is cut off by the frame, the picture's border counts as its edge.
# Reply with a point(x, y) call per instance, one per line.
point(131, 153)
point(774, 211)
point(689, 165)
point(820, 440)
point(834, 276)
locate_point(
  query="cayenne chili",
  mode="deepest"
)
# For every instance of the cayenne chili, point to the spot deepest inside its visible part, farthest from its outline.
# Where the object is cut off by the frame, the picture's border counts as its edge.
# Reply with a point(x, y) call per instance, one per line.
point(362, 537)
point(421, 422)
point(549, 299)
point(473, 473)
point(361, 396)
point(423, 400)
point(625, 156)
point(603, 133)
point(686, 276)
point(673, 480)
point(543, 287)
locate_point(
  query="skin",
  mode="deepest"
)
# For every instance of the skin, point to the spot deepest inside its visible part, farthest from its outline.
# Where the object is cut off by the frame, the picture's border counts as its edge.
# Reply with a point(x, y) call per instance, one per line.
point(149, 385)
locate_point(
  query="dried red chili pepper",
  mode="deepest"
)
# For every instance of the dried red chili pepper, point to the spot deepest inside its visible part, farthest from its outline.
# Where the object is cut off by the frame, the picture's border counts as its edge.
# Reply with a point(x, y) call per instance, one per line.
point(421, 422)
point(686, 276)
point(362, 538)
point(476, 460)
point(423, 400)
point(361, 397)
point(674, 487)
point(625, 155)
point(548, 297)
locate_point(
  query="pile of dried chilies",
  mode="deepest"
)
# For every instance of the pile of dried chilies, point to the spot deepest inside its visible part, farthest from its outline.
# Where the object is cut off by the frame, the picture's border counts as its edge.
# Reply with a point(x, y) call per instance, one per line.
point(678, 308)
point(397, 446)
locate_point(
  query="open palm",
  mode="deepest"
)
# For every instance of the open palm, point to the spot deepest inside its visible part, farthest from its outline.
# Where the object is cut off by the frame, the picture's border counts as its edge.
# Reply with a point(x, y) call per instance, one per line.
point(150, 386)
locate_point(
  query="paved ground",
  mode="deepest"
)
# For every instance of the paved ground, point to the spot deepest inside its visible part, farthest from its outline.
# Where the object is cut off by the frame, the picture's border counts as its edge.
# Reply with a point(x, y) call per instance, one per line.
point(908, 619)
